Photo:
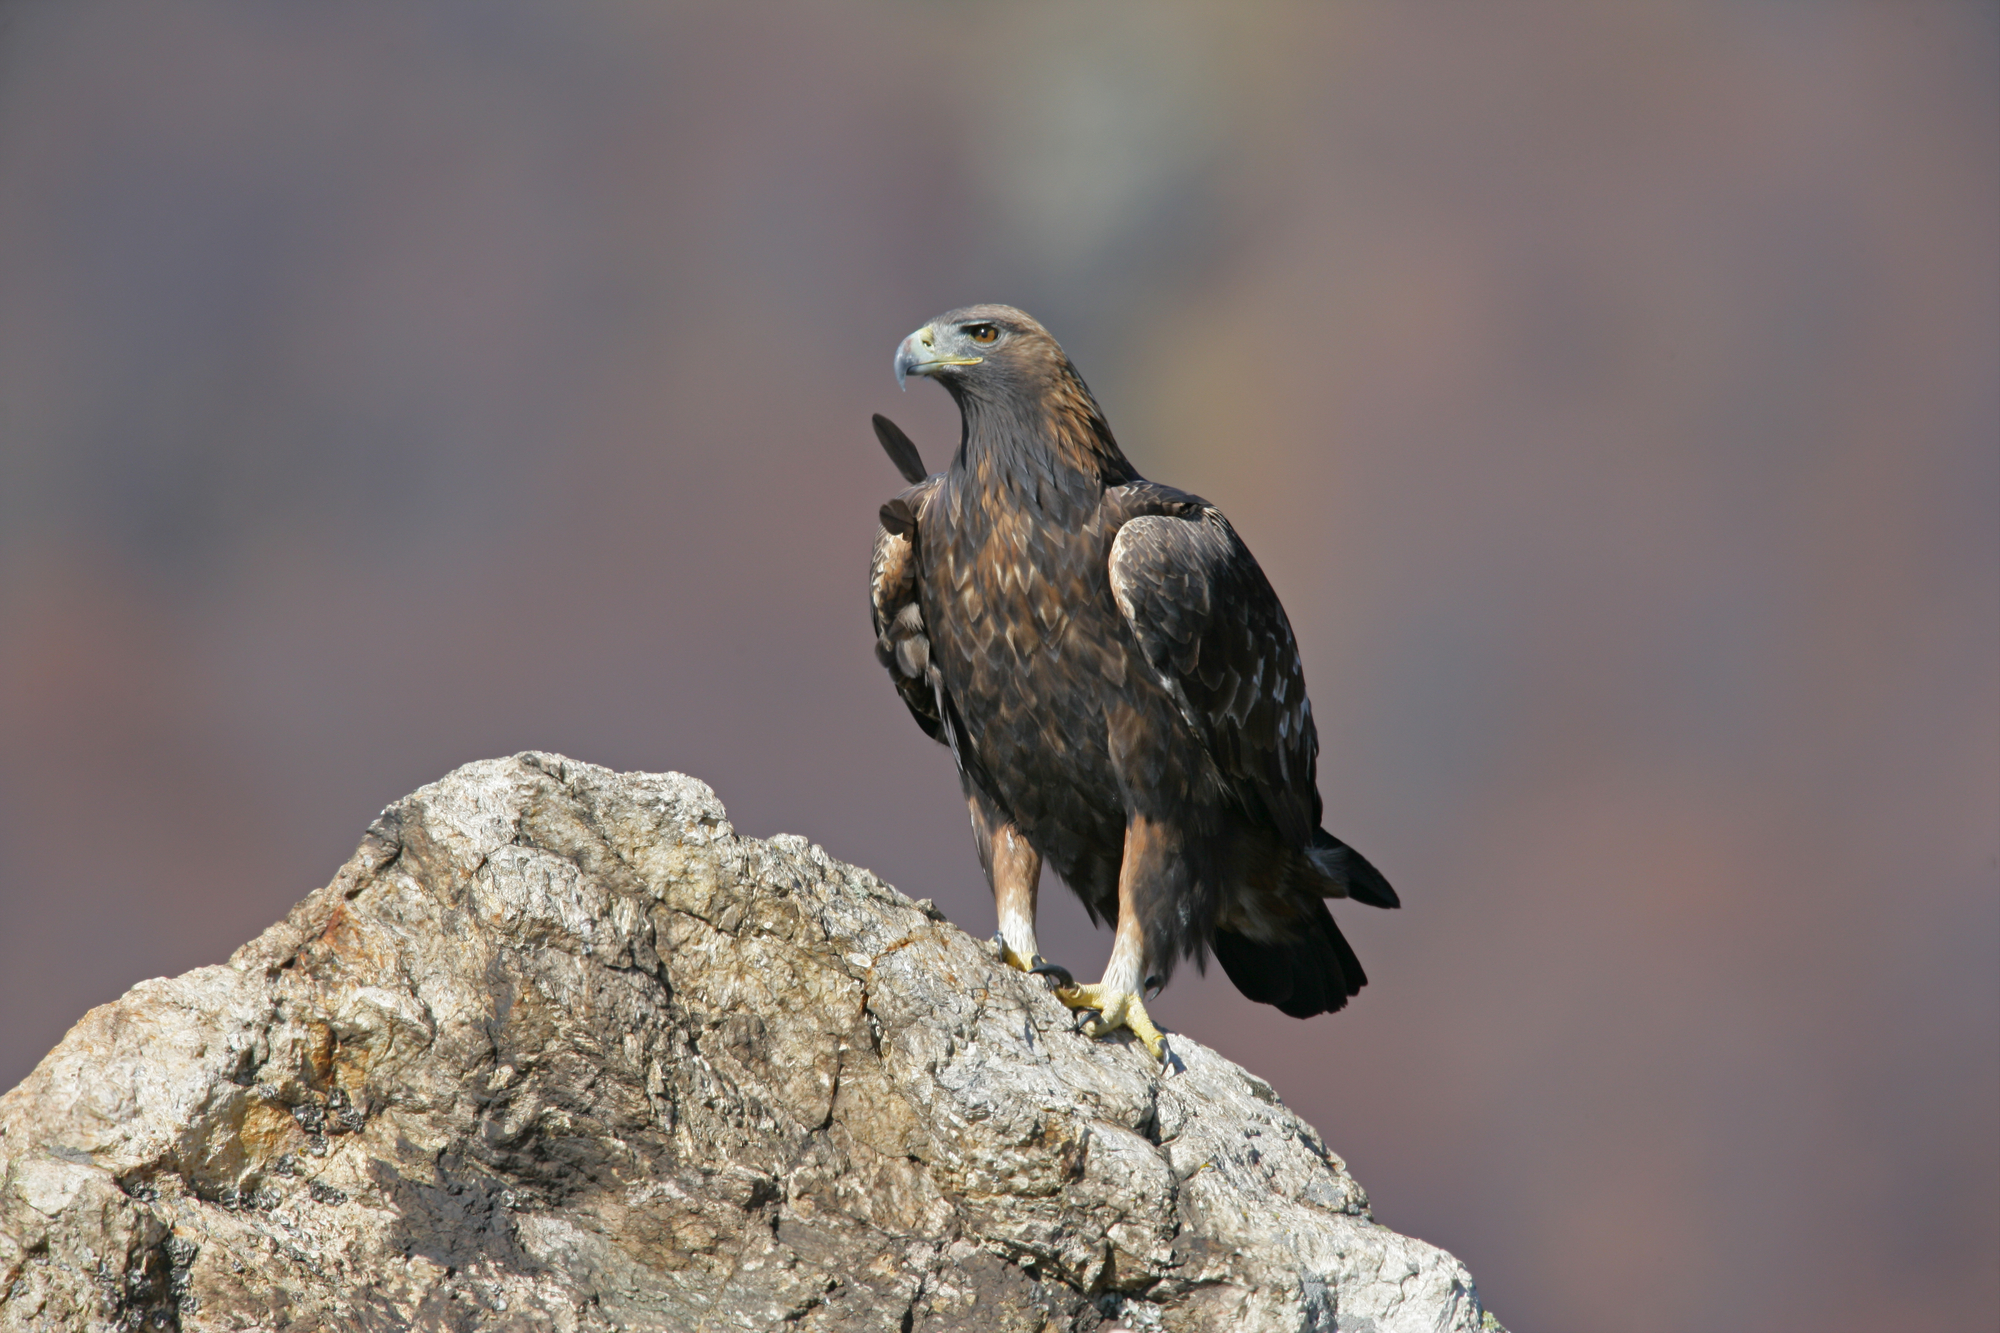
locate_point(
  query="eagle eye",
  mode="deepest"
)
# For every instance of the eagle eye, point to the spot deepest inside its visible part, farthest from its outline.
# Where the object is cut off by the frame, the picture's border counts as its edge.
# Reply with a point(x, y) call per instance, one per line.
point(983, 334)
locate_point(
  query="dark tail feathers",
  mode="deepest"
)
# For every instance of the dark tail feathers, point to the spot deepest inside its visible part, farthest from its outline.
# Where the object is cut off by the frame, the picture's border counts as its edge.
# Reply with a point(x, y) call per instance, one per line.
point(1350, 870)
point(1313, 973)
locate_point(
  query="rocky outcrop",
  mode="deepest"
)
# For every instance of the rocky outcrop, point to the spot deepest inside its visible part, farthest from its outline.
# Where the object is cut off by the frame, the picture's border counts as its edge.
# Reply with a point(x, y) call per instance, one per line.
point(558, 1049)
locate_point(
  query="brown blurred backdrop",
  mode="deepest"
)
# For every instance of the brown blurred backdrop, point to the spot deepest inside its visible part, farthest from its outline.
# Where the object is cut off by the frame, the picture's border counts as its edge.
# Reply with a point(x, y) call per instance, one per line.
point(1613, 397)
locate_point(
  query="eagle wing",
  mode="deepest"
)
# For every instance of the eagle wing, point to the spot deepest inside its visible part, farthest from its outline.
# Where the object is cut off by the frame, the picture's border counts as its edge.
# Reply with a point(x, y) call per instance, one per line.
point(1217, 639)
point(901, 642)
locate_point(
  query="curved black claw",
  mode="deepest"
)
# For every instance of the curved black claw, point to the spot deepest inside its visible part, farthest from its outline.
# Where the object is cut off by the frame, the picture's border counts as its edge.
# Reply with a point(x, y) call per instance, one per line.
point(1054, 975)
point(999, 943)
point(1085, 1020)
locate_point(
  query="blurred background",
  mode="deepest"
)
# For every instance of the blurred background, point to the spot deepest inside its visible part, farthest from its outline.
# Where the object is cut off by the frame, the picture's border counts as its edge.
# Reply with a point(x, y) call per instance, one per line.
point(1612, 395)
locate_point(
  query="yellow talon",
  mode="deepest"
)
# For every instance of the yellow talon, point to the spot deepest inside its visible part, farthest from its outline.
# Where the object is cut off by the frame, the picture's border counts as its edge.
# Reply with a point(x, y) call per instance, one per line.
point(1115, 1009)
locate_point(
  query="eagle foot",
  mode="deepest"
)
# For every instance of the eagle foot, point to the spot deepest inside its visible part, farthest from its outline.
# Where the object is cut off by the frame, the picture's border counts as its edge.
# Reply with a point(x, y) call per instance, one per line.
point(1105, 1010)
point(1053, 975)
point(1005, 953)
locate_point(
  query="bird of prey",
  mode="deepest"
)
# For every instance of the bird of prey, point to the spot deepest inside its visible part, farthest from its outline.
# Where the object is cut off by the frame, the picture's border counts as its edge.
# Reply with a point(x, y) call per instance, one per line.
point(1118, 685)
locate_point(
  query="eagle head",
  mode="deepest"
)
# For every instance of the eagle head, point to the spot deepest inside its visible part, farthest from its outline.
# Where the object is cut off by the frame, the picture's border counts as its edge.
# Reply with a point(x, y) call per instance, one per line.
point(982, 351)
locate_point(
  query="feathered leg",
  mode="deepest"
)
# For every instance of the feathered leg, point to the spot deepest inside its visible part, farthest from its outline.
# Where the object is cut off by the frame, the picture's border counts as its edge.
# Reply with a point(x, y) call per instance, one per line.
point(1014, 872)
point(1114, 1002)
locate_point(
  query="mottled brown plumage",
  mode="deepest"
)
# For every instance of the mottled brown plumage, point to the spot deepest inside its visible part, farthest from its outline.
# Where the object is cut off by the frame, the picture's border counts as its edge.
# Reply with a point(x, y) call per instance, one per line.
point(1117, 682)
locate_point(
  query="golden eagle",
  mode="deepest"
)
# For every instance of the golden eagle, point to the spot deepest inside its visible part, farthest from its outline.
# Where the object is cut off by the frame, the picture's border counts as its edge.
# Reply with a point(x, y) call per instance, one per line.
point(1118, 685)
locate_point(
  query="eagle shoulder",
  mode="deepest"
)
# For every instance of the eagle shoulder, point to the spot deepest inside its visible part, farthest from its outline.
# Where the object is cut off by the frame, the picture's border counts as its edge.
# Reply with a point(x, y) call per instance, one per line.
point(1217, 639)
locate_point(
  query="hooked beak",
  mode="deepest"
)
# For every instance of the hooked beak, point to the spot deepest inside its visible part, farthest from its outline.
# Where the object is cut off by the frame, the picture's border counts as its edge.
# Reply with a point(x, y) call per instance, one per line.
point(919, 356)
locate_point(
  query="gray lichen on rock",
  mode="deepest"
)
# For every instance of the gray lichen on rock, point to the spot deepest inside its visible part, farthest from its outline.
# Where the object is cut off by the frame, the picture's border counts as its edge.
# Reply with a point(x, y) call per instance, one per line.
point(558, 1049)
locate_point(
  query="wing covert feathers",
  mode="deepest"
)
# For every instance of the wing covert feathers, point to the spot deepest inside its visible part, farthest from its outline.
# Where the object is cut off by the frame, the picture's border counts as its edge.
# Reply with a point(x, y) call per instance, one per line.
point(901, 643)
point(1212, 630)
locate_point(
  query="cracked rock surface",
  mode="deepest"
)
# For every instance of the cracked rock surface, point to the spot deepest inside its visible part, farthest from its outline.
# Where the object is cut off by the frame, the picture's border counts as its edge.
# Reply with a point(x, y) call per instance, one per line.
point(557, 1049)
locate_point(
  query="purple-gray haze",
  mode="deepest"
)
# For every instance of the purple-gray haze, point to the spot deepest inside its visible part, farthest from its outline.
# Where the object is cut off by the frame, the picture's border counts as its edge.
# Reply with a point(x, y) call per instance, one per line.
point(1612, 396)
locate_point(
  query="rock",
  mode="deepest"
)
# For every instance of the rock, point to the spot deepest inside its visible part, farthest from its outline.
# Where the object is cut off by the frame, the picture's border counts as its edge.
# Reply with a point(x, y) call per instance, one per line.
point(557, 1049)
